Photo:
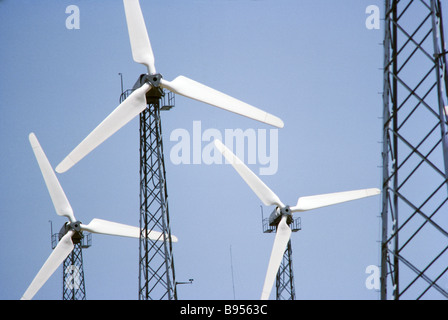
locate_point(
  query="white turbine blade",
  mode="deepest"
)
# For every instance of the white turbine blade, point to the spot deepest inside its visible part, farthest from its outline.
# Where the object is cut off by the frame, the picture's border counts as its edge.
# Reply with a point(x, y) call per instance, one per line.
point(138, 35)
point(60, 201)
point(124, 113)
point(266, 195)
point(117, 229)
point(195, 90)
point(62, 250)
point(323, 200)
point(280, 243)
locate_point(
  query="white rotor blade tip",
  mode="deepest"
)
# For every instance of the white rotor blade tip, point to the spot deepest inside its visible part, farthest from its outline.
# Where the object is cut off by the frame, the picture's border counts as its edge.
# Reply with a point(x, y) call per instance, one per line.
point(57, 194)
point(138, 35)
point(266, 195)
point(125, 112)
point(324, 200)
point(118, 229)
point(197, 91)
point(57, 256)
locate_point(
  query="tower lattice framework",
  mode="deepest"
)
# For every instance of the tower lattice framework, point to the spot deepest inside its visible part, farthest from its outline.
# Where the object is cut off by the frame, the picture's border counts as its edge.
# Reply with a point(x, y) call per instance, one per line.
point(414, 244)
point(73, 283)
point(284, 281)
point(156, 261)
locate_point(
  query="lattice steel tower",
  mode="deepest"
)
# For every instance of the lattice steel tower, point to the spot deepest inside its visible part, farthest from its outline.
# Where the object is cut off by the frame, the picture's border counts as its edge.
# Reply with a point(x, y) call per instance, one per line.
point(156, 263)
point(73, 281)
point(414, 257)
point(284, 282)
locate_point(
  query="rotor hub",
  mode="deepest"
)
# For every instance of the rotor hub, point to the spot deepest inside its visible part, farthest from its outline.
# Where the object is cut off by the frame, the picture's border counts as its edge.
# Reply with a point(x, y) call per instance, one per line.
point(153, 79)
point(286, 211)
point(156, 92)
point(277, 215)
point(76, 227)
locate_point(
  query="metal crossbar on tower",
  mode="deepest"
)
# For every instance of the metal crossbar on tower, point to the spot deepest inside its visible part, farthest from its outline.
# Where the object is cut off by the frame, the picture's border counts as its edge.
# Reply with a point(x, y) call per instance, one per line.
point(414, 245)
point(156, 263)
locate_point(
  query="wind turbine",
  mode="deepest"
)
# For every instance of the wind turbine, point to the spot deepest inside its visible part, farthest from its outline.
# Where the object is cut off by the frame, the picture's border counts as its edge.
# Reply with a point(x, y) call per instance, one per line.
point(282, 214)
point(156, 260)
point(74, 228)
point(136, 102)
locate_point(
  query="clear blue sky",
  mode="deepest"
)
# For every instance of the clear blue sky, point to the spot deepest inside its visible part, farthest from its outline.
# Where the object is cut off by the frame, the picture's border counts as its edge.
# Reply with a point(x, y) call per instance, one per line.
point(313, 63)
